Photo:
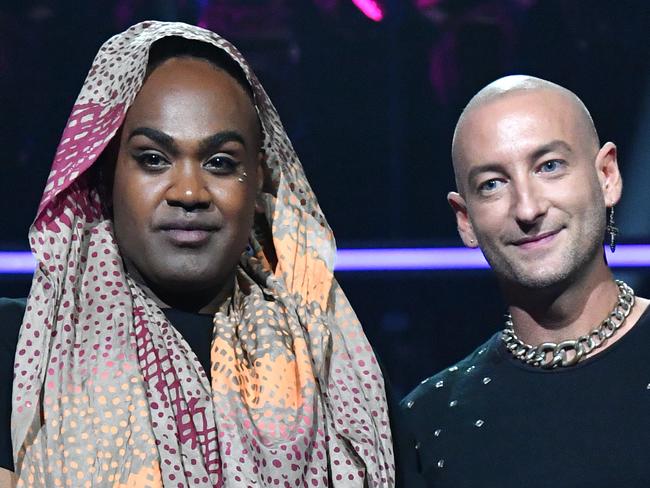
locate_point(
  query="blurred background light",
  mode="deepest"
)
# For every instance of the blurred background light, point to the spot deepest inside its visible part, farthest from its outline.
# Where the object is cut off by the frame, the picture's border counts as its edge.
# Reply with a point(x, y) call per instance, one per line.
point(395, 259)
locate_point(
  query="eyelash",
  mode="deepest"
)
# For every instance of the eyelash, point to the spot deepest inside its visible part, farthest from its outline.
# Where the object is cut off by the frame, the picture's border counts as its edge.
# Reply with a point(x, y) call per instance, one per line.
point(559, 162)
point(540, 169)
point(145, 161)
point(230, 163)
point(482, 187)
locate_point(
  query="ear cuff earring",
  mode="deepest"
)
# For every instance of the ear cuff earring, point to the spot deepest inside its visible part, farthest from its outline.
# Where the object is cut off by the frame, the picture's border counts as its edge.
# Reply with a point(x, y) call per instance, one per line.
point(243, 176)
point(611, 229)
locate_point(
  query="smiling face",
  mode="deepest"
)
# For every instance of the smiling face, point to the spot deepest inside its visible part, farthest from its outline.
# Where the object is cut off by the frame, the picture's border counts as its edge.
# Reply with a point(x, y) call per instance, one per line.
point(186, 179)
point(534, 187)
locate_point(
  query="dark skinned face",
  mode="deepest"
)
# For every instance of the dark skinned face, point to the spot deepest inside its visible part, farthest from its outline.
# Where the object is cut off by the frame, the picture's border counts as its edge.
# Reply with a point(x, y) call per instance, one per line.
point(186, 179)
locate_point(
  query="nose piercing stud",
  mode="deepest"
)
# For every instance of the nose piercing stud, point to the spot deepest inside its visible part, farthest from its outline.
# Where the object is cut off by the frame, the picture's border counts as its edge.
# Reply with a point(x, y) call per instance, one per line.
point(188, 193)
point(242, 177)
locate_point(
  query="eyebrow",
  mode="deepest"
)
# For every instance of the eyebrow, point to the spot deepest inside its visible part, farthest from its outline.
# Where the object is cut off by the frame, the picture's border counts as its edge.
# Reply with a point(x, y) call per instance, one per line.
point(159, 137)
point(482, 168)
point(206, 145)
point(215, 141)
point(554, 145)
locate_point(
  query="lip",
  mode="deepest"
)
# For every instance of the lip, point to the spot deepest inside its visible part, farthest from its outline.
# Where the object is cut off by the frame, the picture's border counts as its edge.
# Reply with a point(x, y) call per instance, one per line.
point(187, 233)
point(532, 242)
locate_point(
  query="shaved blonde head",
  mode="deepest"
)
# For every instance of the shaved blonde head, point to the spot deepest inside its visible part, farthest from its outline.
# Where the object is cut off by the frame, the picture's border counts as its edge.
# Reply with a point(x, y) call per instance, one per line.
point(518, 84)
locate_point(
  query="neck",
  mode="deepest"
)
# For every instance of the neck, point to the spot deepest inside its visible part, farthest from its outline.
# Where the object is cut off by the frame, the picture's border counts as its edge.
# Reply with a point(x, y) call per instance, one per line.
point(564, 311)
point(207, 300)
point(202, 302)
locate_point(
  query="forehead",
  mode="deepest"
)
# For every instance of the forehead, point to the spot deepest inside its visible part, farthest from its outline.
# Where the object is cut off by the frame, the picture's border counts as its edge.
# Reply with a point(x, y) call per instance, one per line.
point(514, 125)
point(188, 97)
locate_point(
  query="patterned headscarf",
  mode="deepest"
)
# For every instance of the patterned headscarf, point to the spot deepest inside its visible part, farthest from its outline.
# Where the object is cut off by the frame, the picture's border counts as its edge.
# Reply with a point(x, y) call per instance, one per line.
point(108, 393)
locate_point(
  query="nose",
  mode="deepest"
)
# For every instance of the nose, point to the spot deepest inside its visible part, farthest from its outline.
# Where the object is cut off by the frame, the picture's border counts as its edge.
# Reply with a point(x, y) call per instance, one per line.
point(530, 204)
point(187, 188)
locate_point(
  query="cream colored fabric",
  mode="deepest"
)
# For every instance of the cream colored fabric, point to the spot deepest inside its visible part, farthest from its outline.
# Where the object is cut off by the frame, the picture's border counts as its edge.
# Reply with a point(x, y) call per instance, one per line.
point(107, 393)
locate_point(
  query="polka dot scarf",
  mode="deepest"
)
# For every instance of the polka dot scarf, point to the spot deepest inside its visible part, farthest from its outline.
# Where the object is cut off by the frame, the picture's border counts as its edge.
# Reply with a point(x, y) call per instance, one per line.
point(107, 392)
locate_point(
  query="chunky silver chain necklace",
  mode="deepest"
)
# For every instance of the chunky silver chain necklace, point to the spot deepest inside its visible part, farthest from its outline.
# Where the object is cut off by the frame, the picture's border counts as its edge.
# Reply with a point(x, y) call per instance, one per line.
point(549, 355)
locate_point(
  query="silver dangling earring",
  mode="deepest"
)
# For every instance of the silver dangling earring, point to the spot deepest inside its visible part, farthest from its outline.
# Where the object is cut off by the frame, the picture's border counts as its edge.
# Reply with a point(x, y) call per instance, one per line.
point(611, 229)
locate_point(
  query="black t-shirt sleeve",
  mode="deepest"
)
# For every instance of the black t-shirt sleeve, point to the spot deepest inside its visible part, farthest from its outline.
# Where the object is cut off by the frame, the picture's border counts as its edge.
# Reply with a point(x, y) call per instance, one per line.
point(11, 317)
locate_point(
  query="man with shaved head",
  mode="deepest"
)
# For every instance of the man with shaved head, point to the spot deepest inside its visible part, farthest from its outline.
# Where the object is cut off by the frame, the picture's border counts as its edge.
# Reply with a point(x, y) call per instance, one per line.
point(560, 397)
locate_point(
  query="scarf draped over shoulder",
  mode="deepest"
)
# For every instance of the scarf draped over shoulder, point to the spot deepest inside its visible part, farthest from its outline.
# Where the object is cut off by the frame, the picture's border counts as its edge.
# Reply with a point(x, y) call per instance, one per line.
point(108, 394)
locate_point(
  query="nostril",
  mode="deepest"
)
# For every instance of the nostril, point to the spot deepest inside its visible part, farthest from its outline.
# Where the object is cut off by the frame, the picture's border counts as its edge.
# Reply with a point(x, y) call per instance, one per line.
point(188, 204)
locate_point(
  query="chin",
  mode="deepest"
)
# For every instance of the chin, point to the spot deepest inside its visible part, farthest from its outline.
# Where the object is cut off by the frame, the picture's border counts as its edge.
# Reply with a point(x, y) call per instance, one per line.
point(188, 280)
point(541, 278)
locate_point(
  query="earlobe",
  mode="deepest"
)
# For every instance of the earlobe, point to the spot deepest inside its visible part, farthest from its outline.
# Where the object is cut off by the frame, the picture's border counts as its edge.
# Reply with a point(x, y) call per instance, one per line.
point(465, 230)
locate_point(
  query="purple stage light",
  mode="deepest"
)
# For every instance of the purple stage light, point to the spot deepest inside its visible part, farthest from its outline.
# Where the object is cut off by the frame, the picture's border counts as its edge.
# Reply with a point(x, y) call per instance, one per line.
point(370, 8)
point(441, 258)
point(16, 262)
point(407, 259)
point(629, 256)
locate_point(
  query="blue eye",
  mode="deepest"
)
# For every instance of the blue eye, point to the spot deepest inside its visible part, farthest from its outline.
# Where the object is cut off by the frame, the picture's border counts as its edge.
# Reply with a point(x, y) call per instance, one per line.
point(490, 185)
point(221, 164)
point(550, 166)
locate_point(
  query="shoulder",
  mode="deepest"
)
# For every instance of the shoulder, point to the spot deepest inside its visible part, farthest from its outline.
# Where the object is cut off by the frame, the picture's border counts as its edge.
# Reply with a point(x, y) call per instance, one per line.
point(12, 307)
point(11, 318)
point(435, 393)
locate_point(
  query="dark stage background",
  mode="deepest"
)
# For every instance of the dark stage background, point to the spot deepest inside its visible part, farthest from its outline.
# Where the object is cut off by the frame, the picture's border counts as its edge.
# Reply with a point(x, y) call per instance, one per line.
point(370, 106)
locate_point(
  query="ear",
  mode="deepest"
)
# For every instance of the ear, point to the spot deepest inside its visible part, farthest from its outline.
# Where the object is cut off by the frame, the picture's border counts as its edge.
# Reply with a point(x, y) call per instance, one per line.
point(465, 229)
point(609, 175)
point(259, 175)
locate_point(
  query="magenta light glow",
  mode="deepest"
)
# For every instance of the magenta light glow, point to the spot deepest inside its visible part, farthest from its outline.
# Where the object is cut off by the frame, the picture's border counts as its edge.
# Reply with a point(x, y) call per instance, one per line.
point(370, 9)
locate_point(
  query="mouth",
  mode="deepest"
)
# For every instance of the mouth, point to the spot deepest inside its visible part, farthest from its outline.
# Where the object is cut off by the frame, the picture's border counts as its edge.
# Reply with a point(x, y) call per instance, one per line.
point(539, 240)
point(187, 234)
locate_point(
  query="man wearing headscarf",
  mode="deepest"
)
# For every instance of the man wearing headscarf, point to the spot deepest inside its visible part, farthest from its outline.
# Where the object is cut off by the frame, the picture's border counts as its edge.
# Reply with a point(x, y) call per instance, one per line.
point(184, 327)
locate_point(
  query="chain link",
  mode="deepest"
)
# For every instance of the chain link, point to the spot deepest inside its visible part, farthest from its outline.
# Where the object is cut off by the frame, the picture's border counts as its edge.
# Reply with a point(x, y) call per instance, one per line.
point(549, 355)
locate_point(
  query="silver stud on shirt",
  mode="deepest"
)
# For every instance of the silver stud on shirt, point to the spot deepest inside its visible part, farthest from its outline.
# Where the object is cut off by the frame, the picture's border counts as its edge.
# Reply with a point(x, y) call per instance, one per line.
point(441, 463)
point(409, 404)
point(486, 380)
point(453, 403)
point(470, 369)
point(479, 423)
point(482, 350)
point(648, 387)
point(437, 432)
point(440, 384)
point(453, 368)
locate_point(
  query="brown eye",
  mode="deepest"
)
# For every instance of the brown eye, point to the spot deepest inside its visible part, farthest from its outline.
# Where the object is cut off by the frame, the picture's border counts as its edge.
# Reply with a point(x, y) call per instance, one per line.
point(151, 161)
point(221, 164)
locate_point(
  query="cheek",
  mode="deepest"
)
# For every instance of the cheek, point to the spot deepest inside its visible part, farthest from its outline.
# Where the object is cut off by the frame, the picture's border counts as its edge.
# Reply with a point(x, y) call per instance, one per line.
point(130, 206)
point(488, 220)
point(236, 202)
